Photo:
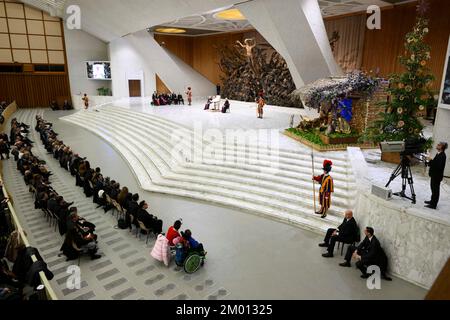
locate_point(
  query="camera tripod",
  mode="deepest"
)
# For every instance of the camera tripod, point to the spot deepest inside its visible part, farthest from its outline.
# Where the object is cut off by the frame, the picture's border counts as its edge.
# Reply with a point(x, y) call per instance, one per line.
point(404, 169)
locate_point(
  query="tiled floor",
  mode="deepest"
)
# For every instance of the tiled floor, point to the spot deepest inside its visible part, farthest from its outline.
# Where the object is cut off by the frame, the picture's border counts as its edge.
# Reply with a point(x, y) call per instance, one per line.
point(126, 270)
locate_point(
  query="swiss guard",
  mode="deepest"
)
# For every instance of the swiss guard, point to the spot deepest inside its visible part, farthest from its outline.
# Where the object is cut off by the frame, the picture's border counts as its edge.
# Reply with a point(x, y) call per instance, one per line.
point(326, 188)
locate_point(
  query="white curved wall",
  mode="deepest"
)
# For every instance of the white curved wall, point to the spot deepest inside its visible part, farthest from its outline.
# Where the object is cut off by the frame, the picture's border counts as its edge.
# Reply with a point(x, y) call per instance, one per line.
point(82, 47)
point(139, 54)
point(417, 243)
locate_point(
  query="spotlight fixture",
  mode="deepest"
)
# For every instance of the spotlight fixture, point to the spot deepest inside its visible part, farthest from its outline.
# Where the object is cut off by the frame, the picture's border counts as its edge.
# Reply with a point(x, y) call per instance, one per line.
point(230, 14)
point(170, 30)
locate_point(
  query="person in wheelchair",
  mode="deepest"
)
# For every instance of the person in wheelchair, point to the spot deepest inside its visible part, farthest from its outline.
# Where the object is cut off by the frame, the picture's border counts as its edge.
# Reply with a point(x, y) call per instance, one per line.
point(191, 244)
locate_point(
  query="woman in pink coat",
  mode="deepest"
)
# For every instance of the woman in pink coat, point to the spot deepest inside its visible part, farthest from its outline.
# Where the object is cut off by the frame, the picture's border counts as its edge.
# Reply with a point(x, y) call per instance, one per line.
point(161, 251)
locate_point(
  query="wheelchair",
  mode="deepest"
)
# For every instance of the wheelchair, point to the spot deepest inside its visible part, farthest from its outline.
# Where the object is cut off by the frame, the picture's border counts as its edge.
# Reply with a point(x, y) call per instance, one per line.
point(190, 260)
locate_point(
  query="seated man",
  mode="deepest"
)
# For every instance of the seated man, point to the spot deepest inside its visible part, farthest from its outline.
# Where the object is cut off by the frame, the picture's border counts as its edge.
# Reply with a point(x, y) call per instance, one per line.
point(191, 244)
point(208, 103)
point(67, 105)
point(180, 99)
point(54, 105)
point(226, 106)
point(346, 233)
point(155, 99)
point(4, 149)
point(131, 215)
point(79, 238)
point(173, 233)
point(369, 252)
point(174, 98)
point(143, 216)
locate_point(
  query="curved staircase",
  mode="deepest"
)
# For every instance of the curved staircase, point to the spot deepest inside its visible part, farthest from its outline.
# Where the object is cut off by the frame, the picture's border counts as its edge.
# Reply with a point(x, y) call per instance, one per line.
point(273, 183)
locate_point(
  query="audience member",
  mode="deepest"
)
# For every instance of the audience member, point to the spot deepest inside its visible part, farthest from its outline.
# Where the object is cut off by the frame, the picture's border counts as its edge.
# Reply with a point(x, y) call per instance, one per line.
point(191, 243)
point(67, 105)
point(54, 105)
point(226, 106)
point(173, 233)
point(347, 233)
point(367, 253)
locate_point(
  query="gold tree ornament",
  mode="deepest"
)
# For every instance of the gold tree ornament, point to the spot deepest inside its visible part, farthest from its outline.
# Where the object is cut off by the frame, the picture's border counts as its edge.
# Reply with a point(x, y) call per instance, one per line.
point(408, 88)
point(421, 107)
point(423, 63)
point(400, 110)
point(400, 124)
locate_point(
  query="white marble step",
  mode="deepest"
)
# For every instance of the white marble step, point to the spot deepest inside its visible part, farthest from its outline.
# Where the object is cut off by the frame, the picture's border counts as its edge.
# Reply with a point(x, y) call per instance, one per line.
point(246, 194)
point(293, 172)
point(304, 220)
point(340, 198)
point(167, 124)
point(207, 171)
point(241, 154)
point(243, 176)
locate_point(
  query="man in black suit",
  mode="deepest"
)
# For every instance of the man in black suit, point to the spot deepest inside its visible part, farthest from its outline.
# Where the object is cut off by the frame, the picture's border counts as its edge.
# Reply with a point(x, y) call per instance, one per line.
point(346, 232)
point(437, 166)
point(366, 254)
point(143, 215)
point(131, 215)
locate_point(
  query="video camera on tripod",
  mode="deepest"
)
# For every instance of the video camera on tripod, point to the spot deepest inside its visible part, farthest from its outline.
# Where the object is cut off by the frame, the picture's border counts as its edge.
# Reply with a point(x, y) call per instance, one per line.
point(409, 148)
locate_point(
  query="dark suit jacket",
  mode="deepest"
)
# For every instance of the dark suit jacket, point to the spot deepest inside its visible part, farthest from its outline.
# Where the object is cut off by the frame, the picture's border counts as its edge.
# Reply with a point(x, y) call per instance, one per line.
point(437, 166)
point(369, 250)
point(145, 217)
point(348, 230)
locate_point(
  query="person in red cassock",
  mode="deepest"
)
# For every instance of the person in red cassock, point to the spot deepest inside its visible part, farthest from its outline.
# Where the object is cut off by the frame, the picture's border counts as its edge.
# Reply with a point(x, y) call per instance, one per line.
point(326, 188)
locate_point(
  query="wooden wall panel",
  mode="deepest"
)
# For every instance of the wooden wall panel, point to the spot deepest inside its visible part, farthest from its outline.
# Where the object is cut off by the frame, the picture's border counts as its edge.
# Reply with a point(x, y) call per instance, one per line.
point(32, 90)
point(30, 44)
point(197, 52)
point(382, 47)
point(206, 57)
point(161, 86)
point(441, 287)
point(180, 46)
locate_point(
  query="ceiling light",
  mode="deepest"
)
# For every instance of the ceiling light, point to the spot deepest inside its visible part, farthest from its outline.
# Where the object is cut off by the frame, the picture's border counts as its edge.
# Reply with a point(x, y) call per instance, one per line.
point(170, 30)
point(230, 14)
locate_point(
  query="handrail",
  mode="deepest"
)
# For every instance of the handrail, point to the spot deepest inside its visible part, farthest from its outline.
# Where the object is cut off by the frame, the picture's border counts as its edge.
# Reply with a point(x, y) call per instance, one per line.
point(7, 113)
point(15, 220)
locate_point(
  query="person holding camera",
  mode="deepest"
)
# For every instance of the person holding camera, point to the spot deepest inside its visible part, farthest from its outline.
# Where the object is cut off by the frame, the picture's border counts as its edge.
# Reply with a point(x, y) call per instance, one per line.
point(437, 166)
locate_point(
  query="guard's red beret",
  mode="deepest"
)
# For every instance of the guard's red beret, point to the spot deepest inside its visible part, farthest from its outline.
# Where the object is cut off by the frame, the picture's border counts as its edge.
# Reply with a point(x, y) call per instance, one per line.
point(327, 163)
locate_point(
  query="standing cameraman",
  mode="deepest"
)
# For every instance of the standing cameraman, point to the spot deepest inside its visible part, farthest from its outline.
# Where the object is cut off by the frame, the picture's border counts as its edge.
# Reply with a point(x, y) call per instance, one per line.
point(437, 166)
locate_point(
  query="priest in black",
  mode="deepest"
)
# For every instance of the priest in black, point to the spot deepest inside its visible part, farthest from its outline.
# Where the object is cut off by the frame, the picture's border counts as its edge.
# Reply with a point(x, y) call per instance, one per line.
point(437, 167)
point(347, 232)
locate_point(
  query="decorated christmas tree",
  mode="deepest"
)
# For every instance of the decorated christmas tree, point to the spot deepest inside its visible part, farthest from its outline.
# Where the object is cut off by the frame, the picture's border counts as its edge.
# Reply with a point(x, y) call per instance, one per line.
point(409, 92)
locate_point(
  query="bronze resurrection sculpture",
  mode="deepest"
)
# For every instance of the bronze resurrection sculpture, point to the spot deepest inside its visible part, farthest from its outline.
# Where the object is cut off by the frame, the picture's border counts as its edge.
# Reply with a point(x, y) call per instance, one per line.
point(250, 68)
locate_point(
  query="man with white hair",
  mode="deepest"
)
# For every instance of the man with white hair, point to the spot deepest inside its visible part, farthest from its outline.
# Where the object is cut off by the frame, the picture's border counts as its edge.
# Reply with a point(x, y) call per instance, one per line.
point(346, 233)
